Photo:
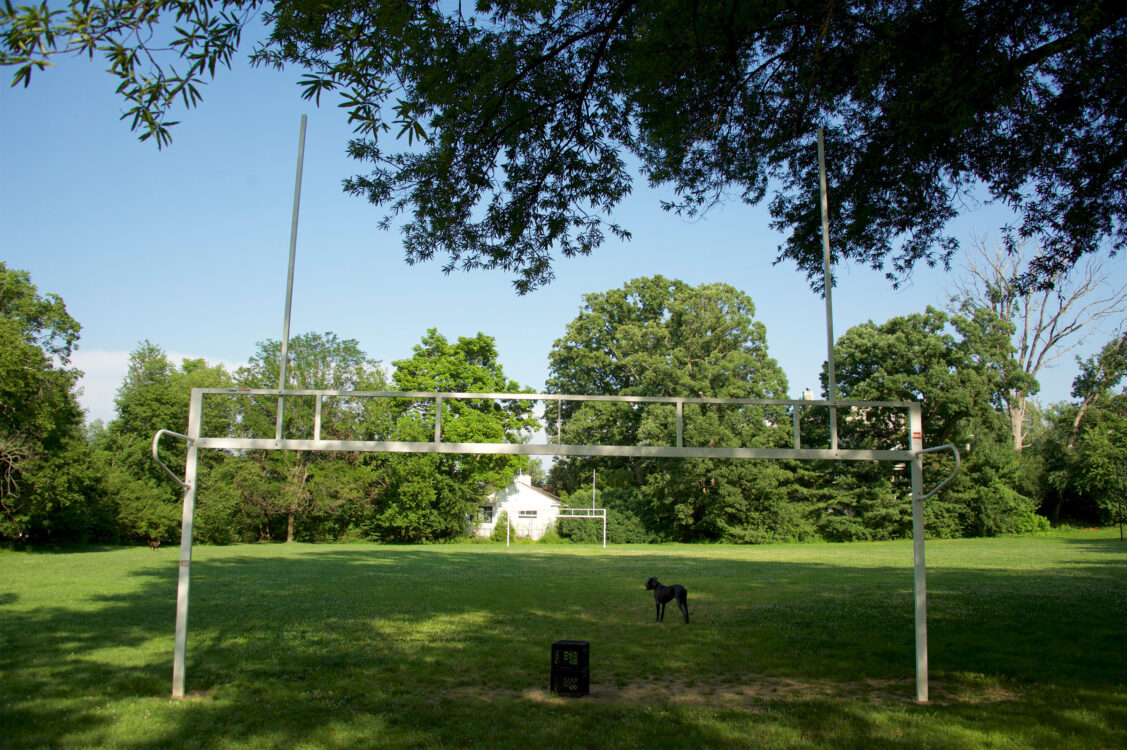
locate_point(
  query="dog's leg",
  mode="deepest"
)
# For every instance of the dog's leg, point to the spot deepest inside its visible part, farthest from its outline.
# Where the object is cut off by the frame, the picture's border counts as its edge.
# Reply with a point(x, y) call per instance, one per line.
point(683, 603)
point(660, 612)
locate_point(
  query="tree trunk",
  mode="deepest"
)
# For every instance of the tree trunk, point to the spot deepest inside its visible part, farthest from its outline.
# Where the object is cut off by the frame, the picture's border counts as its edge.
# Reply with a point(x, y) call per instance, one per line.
point(1088, 401)
point(1017, 420)
point(289, 527)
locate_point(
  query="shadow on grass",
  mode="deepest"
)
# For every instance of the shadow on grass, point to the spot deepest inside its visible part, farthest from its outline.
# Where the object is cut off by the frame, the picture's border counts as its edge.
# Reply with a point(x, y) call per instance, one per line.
point(1113, 547)
point(441, 647)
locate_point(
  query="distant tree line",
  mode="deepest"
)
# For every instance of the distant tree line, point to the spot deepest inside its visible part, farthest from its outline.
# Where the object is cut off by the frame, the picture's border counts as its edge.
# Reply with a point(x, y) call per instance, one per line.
point(62, 481)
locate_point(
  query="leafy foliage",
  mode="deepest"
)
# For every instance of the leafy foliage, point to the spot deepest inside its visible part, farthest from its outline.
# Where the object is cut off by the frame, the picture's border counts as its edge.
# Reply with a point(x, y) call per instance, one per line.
point(1084, 452)
point(656, 337)
point(624, 522)
point(293, 484)
point(470, 365)
point(155, 395)
point(503, 528)
point(434, 494)
point(50, 489)
point(1048, 323)
point(520, 118)
point(131, 37)
point(958, 367)
point(652, 337)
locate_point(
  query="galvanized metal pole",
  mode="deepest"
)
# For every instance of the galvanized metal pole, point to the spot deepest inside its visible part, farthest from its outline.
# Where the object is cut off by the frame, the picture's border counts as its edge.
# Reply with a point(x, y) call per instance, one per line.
point(187, 521)
point(1119, 476)
point(829, 284)
point(919, 567)
point(289, 281)
point(437, 420)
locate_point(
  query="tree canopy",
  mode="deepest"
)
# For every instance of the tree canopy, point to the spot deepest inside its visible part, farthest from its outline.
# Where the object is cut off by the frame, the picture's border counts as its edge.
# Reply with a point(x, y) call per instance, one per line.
point(661, 337)
point(1085, 446)
point(523, 118)
point(959, 367)
point(37, 386)
point(432, 495)
point(47, 490)
point(651, 337)
point(293, 484)
point(1047, 323)
point(155, 395)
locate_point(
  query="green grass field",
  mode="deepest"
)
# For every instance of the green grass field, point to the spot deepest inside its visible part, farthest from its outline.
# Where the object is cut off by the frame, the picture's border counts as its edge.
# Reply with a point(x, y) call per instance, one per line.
point(304, 646)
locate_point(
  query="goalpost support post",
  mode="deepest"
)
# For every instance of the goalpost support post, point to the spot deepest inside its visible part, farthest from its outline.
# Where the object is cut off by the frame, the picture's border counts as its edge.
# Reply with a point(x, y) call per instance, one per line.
point(919, 566)
point(187, 522)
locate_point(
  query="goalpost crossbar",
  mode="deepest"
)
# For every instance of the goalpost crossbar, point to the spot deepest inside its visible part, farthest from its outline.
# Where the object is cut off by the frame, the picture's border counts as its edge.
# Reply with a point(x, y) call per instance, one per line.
point(676, 449)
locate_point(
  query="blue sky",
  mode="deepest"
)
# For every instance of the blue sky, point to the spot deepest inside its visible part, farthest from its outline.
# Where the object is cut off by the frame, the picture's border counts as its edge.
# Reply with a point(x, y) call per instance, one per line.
point(187, 247)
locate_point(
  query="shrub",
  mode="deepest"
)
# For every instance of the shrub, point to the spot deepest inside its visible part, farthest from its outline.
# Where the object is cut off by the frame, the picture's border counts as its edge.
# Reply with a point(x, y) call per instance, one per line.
point(498, 534)
point(998, 509)
point(552, 536)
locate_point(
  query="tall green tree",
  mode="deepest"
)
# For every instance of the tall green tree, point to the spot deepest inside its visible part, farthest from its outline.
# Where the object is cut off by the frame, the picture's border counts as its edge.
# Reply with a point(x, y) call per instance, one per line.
point(37, 401)
point(1099, 375)
point(1099, 468)
point(957, 368)
point(154, 395)
point(432, 495)
point(1081, 451)
point(302, 484)
point(50, 489)
point(918, 357)
point(661, 337)
point(521, 117)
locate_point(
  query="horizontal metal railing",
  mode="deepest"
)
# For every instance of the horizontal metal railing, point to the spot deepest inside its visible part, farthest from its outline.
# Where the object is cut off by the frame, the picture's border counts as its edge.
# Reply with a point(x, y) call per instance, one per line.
point(583, 512)
point(439, 445)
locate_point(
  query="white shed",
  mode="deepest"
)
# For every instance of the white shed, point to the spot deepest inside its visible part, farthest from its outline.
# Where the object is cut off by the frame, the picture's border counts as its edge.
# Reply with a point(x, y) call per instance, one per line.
point(531, 509)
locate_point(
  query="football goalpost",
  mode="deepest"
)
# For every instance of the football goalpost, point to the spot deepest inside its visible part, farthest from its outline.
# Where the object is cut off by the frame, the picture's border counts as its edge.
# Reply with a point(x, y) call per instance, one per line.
point(904, 435)
point(906, 414)
point(587, 513)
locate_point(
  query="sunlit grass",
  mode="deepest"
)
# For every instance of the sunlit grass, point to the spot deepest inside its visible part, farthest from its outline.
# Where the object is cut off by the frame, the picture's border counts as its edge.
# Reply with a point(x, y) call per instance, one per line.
point(448, 646)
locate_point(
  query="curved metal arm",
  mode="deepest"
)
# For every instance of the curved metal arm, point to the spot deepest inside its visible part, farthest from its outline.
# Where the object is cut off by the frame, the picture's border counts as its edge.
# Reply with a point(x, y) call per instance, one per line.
point(945, 482)
point(156, 440)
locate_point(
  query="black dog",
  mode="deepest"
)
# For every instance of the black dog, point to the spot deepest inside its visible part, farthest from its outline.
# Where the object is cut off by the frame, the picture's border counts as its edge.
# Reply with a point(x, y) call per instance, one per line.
point(665, 594)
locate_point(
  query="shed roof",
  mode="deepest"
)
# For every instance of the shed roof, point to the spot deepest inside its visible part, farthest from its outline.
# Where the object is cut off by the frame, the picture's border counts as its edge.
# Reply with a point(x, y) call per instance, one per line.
point(524, 481)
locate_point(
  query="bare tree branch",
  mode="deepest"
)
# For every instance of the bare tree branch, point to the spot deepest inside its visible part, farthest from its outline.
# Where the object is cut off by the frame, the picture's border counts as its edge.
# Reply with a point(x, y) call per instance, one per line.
point(1048, 324)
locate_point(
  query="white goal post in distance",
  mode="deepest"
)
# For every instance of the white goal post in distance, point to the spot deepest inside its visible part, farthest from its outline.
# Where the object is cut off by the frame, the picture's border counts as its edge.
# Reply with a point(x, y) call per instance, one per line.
point(908, 426)
point(587, 513)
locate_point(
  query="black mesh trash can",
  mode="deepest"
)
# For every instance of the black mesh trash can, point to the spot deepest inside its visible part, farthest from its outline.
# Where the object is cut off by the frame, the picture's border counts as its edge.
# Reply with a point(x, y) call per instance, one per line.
point(571, 668)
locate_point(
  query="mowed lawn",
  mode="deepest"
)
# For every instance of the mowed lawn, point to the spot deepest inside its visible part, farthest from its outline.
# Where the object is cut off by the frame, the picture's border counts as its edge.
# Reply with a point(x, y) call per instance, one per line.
point(347, 646)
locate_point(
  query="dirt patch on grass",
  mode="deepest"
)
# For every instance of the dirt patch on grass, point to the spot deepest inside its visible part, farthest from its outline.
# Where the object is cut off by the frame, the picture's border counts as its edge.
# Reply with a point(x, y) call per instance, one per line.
point(755, 692)
point(193, 695)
